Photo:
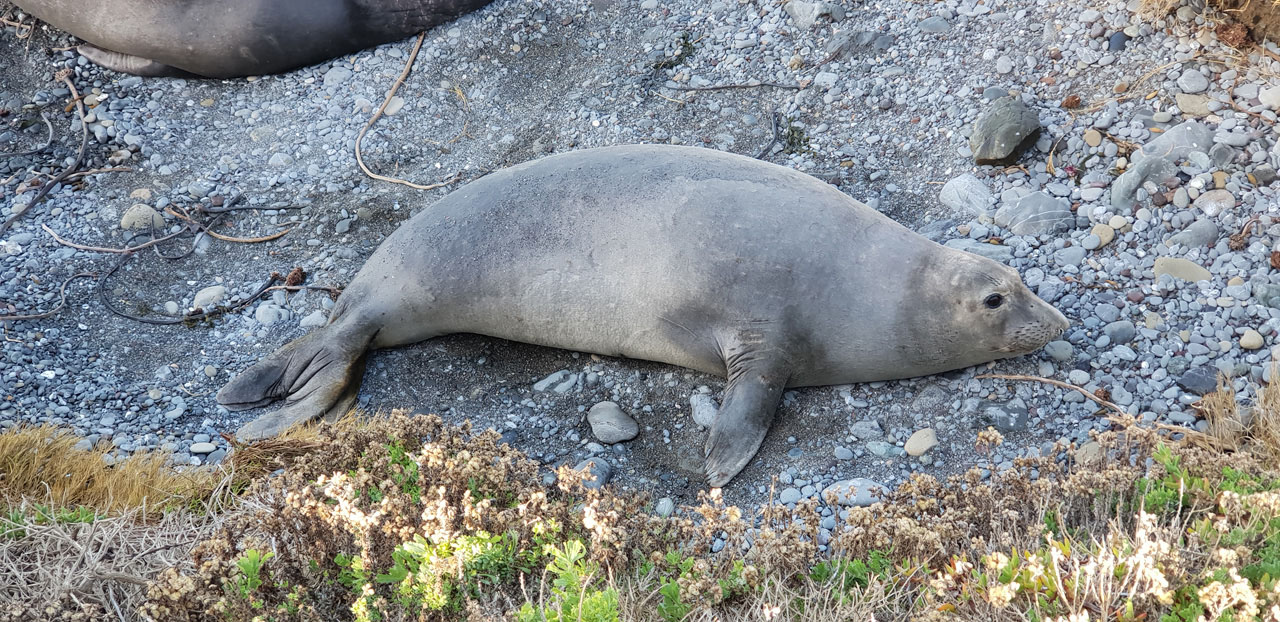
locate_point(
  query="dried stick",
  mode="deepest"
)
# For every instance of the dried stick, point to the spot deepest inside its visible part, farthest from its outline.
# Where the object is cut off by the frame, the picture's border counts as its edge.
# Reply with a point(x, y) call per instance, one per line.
point(65, 76)
point(747, 85)
point(62, 293)
point(408, 66)
point(101, 249)
point(764, 152)
point(1060, 384)
point(200, 315)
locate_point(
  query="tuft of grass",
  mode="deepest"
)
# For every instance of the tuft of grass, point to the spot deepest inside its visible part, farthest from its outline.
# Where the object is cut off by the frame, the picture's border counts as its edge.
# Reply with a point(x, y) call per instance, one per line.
point(41, 462)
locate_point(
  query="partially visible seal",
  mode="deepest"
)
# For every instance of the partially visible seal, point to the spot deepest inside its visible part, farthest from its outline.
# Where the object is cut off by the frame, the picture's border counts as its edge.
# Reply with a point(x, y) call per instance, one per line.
point(235, 38)
point(687, 256)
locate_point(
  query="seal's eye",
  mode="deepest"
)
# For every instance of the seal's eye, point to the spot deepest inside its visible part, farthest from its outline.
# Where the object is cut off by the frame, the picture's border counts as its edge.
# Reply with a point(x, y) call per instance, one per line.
point(993, 301)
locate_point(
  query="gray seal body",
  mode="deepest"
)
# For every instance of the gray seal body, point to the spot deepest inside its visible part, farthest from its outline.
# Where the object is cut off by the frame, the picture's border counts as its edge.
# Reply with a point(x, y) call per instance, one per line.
point(234, 38)
point(688, 256)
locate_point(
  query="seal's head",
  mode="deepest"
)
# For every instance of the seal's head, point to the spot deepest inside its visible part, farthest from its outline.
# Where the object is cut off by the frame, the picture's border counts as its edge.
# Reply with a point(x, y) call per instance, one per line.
point(988, 313)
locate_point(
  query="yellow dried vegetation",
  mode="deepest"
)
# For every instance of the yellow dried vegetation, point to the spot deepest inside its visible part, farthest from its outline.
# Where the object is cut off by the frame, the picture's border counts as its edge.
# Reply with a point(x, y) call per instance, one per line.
point(408, 518)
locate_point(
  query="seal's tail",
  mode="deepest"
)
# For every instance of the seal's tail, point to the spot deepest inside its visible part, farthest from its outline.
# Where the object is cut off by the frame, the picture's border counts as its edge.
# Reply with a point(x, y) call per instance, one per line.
point(317, 374)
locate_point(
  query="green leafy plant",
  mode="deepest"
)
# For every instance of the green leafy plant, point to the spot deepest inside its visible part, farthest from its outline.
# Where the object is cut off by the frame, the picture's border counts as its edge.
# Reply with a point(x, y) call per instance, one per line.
point(574, 597)
point(250, 579)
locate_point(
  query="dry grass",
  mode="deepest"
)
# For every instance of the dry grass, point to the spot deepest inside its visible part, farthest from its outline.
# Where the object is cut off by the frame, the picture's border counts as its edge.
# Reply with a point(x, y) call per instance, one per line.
point(1149, 527)
point(41, 463)
point(51, 569)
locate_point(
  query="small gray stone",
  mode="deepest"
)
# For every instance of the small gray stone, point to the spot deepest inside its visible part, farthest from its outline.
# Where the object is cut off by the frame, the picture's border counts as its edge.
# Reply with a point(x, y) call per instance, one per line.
point(269, 313)
point(1003, 130)
point(209, 296)
point(610, 425)
point(665, 507)
point(203, 448)
point(994, 252)
point(789, 496)
point(704, 409)
point(600, 472)
point(1214, 202)
point(1007, 418)
point(280, 160)
point(1203, 232)
point(966, 194)
point(336, 76)
point(1060, 351)
point(1035, 214)
point(314, 319)
point(1120, 332)
point(1157, 160)
point(805, 13)
point(545, 383)
point(866, 430)
point(1192, 81)
point(1200, 380)
point(843, 453)
point(934, 24)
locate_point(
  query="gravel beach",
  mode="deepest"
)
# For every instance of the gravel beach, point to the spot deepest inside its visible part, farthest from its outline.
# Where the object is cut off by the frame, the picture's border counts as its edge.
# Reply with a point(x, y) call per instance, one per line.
point(1129, 174)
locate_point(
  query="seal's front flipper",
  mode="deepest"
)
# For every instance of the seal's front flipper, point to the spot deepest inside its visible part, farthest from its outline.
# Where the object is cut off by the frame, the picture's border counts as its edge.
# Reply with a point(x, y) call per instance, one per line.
point(136, 65)
point(750, 401)
point(318, 374)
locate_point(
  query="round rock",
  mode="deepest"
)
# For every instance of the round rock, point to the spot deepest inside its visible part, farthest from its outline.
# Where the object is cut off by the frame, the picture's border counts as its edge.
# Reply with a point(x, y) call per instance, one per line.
point(610, 425)
point(921, 441)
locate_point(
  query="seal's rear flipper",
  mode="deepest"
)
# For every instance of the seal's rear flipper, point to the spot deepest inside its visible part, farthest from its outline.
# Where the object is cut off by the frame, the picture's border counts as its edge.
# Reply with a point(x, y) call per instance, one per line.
point(318, 375)
point(750, 401)
point(136, 65)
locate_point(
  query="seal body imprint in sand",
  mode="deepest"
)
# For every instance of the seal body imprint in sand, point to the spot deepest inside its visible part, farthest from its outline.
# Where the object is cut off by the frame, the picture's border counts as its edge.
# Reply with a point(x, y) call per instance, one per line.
point(234, 38)
point(683, 255)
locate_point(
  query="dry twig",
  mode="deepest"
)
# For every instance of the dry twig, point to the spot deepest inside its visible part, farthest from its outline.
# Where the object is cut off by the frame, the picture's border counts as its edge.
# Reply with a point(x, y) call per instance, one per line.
point(1065, 385)
point(62, 293)
point(408, 66)
point(65, 76)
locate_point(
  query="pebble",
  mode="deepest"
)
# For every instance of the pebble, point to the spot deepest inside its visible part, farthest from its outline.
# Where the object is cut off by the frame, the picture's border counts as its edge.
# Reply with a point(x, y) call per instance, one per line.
point(704, 409)
point(209, 297)
point(1003, 130)
point(203, 448)
point(665, 507)
point(1251, 340)
point(1214, 202)
point(1092, 137)
point(546, 383)
point(920, 442)
point(1035, 214)
point(1203, 232)
point(610, 425)
point(1192, 81)
point(314, 319)
point(1104, 233)
point(140, 216)
point(966, 194)
point(600, 472)
point(1179, 268)
point(934, 24)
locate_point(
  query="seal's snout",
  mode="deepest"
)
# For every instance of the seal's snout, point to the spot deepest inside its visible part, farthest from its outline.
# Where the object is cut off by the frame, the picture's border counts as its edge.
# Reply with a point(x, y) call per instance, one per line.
point(1038, 324)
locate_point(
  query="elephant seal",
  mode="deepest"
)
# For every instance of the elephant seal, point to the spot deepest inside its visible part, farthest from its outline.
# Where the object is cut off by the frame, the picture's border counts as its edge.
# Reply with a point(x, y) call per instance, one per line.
point(236, 38)
point(688, 256)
